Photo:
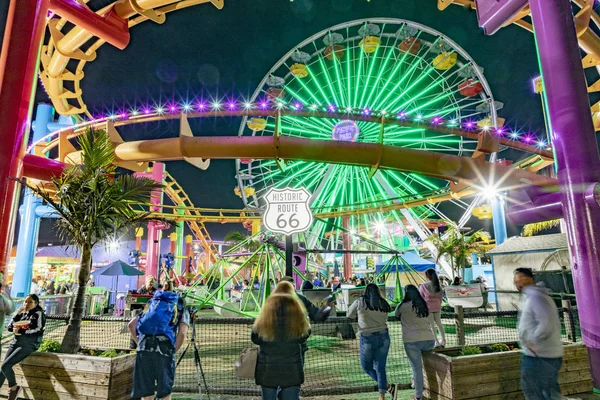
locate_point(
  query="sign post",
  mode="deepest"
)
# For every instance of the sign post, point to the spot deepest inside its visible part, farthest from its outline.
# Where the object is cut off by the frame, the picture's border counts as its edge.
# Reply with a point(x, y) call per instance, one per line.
point(288, 213)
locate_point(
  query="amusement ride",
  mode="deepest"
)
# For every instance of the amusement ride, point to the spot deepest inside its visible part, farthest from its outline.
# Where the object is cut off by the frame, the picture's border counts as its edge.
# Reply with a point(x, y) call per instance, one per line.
point(380, 119)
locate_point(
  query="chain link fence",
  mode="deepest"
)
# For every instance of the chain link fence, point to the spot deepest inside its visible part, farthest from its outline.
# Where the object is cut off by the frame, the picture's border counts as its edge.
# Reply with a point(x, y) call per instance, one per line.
point(332, 365)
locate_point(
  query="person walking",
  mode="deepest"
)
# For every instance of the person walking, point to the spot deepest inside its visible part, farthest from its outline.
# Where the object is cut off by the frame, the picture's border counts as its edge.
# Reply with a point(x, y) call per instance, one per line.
point(540, 338)
point(28, 326)
point(416, 333)
point(159, 332)
point(280, 330)
point(433, 295)
point(372, 312)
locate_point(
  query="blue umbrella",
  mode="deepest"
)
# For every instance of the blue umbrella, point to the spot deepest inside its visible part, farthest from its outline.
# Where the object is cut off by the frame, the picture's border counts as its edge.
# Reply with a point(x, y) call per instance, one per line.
point(118, 268)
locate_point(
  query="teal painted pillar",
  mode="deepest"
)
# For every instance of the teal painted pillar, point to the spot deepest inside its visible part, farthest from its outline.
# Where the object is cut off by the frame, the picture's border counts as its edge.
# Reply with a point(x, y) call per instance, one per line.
point(29, 225)
point(499, 220)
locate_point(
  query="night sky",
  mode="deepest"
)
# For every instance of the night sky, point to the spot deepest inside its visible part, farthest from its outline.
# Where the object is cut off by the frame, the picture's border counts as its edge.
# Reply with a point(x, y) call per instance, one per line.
point(202, 51)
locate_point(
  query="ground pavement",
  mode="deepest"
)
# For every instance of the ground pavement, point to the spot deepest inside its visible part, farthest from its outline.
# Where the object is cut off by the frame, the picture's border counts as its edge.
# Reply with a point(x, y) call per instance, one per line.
point(402, 395)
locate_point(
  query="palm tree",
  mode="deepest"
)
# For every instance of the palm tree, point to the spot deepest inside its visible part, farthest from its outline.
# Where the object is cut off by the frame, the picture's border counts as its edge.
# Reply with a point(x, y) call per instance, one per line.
point(532, 229)
point(94, 202)
point(457, 247)
point(239, 240)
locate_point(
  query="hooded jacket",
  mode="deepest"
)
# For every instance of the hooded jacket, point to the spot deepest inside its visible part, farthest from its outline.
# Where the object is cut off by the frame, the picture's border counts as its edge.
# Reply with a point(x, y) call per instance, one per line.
point(539, 324)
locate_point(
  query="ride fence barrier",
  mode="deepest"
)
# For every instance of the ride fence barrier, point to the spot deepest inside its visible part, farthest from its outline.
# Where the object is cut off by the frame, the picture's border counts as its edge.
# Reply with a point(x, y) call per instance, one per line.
point(332, 363)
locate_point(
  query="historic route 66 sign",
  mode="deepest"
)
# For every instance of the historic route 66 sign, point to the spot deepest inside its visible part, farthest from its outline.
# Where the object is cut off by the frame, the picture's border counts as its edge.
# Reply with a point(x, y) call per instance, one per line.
point(287, 211)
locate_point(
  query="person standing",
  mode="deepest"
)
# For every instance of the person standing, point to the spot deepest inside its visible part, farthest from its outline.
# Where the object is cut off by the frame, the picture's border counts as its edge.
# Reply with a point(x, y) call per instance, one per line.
point(416, 333)
point(28, 326)
point(540, 338)
point(280, 331)
point(159, 332)
point(372, 312)
point(6, 308)
point(433, 295)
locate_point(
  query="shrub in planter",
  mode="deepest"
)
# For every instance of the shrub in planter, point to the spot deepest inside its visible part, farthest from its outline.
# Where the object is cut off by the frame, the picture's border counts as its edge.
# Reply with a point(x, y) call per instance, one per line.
point(92, 374)
point(493, 372)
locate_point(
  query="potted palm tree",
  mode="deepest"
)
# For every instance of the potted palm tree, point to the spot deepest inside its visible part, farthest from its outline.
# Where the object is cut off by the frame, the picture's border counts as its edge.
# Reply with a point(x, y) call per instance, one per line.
point(94, 201)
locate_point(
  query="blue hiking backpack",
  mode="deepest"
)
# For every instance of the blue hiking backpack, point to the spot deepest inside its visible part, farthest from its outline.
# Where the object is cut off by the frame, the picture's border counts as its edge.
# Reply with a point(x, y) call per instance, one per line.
point(161, 315)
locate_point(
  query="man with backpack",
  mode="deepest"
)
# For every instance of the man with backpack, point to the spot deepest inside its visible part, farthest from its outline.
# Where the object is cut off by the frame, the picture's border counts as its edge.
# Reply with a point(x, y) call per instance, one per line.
point(159, 332)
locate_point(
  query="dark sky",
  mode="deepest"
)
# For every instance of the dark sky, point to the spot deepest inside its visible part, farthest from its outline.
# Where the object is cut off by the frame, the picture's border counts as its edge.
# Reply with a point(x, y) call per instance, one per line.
point(210, 52)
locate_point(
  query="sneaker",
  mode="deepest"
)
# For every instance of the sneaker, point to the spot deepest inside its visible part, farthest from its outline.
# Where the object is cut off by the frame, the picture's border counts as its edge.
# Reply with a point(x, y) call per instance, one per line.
point(13, 392)
point(392, 390)
point(412, 384)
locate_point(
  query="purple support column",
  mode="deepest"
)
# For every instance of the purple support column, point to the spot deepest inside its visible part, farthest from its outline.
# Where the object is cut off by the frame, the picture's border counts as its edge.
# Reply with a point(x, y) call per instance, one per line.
point(577, 157)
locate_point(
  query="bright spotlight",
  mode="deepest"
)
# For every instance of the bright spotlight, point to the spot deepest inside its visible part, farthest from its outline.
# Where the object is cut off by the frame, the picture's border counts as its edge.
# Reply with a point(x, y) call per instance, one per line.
point(380, 226)
point(113, 245)
point(489, 192)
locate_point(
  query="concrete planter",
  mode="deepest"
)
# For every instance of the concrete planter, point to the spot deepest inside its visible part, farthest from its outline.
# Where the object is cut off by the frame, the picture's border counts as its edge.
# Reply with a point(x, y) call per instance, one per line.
point(54, 376)
point(496, 375)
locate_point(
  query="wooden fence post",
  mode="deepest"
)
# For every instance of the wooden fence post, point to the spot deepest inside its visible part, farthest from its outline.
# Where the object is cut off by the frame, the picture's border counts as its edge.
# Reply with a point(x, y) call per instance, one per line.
point(460, 325)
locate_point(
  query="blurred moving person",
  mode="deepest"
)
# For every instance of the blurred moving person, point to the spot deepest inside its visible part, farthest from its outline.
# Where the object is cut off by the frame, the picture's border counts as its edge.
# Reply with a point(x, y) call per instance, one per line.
point(372, 311)
point(416, 333)
point(433, 295)
point(281, 331)
point(540, 338)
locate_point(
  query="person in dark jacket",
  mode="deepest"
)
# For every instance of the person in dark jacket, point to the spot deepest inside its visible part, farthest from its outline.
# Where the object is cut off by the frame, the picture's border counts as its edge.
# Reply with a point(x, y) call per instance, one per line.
point(280, 331)
point(28, 326)
point(316, 314)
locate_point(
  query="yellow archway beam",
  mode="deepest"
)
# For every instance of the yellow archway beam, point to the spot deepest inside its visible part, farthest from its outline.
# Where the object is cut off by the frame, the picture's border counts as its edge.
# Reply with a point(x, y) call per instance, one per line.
point(435, 165)
point(464, 133)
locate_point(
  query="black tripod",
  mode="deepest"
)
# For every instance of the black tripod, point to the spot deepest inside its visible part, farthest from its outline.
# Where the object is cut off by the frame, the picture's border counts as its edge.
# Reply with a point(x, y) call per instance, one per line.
point(197, 363)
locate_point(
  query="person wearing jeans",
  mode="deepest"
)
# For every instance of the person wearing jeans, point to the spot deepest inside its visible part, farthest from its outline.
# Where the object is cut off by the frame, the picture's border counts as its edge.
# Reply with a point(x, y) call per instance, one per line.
point(417, 334)
point(433, 295)
point(540, 337)
point(372, 312)
point(28, 326)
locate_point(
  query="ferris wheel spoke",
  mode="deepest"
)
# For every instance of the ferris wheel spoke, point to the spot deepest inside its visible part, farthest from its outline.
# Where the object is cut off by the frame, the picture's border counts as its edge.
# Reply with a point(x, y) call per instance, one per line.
point(372, 61)
point(382, 69)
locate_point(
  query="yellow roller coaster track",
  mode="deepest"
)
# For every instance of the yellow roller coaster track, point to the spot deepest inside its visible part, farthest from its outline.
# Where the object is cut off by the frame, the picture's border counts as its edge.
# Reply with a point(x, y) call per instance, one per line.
point(178, 196)
point(65, 46)
point(589, 41)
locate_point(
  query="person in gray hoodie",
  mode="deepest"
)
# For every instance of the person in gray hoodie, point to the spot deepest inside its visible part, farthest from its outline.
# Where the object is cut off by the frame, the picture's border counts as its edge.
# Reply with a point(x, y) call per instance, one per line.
point(540, 337)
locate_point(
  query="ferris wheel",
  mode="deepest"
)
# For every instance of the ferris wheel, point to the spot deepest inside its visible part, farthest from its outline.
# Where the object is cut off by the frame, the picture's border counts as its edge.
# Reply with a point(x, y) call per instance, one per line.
point(389, 68)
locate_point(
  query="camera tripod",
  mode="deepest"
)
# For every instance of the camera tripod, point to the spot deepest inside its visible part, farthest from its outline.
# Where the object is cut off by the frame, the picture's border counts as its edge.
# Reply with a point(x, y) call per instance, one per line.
point(200, 378)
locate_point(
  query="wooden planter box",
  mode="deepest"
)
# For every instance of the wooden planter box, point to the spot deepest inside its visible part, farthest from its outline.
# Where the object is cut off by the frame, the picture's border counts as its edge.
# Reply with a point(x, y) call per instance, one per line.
point(54, 376)
point(496, 375)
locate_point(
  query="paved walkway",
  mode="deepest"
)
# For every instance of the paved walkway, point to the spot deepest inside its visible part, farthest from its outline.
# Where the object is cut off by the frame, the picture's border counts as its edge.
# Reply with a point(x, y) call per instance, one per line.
point(402, 395)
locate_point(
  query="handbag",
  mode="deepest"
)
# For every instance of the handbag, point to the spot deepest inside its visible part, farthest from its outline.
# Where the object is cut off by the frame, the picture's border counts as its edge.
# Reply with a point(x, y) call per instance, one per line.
point(245, 367)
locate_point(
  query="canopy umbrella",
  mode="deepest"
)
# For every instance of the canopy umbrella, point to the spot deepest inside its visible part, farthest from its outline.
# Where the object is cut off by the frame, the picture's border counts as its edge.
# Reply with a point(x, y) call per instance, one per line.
point(117, 268)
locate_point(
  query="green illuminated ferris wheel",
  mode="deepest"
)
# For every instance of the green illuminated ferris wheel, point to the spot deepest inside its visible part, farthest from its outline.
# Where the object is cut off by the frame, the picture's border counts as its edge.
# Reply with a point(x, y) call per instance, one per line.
point(388, 68)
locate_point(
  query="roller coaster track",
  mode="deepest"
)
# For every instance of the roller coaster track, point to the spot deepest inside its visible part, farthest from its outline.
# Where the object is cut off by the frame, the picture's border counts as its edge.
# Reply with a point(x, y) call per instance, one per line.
point(589, 41)
point(64, 46)
point(178, 196)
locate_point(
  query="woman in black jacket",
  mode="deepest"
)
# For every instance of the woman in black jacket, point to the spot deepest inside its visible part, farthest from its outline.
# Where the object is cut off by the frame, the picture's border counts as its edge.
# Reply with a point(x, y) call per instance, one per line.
point(28, 326)
point(281, 331)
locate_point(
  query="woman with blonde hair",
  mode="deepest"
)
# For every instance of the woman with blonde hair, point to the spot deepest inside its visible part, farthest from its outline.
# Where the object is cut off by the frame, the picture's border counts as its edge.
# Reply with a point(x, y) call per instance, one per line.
point(280, 331)
point(284, 287)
